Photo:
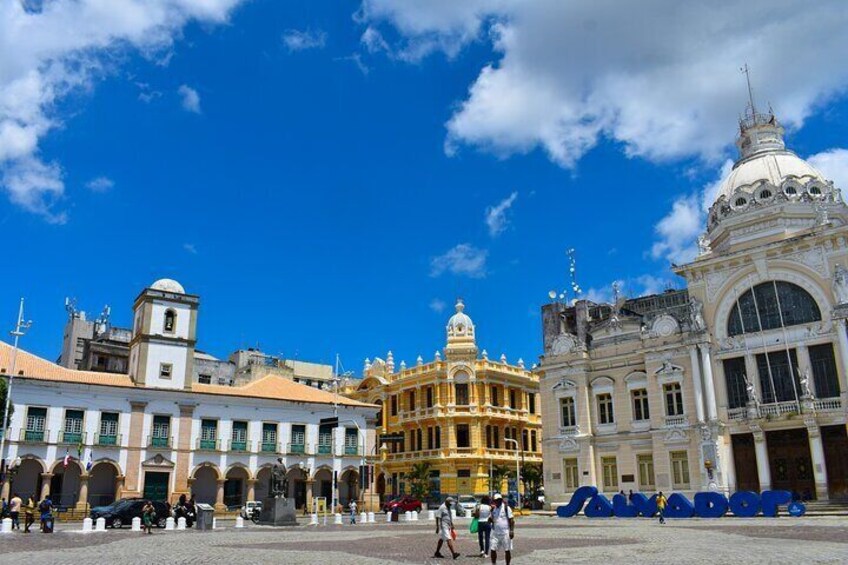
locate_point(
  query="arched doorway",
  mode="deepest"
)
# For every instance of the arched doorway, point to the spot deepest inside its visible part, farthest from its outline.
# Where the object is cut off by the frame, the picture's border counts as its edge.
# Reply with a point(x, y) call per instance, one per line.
point(322, 485)
point(297, 486)
point(348, 487)
point(65, 484)
point(205, 486)
point(235, 487)
point(27, 479)
point(263, 483)
point(102, 480)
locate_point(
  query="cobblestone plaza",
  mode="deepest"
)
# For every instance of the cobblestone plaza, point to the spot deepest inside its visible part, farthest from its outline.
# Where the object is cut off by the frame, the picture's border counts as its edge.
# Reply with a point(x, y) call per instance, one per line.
point(539, 539)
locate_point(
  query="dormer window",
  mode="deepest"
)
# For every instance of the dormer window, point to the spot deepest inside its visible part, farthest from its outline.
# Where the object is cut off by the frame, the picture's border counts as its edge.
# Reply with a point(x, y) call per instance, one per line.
point(815, 191)
point(170, 321)
point(791, 190)
point(740, 202)
point(765, 194)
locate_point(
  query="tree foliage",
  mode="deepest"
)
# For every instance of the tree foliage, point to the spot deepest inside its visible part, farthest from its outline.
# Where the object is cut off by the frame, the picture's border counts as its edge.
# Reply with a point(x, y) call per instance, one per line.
point(419, 480)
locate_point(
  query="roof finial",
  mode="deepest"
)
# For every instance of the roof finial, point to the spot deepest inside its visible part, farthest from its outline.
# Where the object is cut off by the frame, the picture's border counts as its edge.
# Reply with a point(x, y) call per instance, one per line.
point(750, 90)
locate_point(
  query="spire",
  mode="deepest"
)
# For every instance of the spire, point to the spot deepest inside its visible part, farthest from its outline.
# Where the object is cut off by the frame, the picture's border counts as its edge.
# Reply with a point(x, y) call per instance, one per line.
point(758, 132)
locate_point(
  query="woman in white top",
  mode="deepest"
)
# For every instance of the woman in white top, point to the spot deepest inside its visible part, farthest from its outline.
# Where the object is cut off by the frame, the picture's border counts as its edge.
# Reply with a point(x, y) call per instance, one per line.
point(484, 529)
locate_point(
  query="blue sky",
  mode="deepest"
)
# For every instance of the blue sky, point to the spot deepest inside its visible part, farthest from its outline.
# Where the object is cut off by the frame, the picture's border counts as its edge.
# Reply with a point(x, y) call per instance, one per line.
point(330, 176)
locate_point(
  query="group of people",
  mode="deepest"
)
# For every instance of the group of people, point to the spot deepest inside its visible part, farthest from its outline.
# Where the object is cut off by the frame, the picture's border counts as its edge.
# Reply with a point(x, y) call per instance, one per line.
point(185, 508)
point(495, 528)
point(13, 508)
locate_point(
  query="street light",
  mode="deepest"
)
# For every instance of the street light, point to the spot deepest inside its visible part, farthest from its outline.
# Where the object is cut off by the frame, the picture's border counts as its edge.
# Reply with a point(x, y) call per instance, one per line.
point(21, 328)
point(517, 469)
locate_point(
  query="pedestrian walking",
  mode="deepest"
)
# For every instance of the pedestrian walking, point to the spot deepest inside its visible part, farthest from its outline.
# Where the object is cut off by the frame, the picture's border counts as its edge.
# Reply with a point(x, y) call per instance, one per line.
point(483, 512)
point(503, 529)
point(148, 516)
point(29, 514)
point(353, 512)
point(45, 508)
point(15, 511)
point(445, 530)
point(662, 502)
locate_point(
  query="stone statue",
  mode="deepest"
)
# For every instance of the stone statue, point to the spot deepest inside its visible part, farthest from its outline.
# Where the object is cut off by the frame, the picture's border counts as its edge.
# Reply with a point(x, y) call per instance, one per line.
point(279, 482)
point(752, 392)
point(821, 214)
point(840, 284)
point(703, 244)
point(696, 314)
point(805, 384)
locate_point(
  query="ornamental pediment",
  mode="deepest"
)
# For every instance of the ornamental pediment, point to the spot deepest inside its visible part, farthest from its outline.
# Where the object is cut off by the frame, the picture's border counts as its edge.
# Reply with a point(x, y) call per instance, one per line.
point(159, 461)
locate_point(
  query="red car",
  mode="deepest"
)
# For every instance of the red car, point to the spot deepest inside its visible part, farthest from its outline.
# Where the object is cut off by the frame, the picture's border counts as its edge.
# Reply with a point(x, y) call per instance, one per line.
point(404, 503)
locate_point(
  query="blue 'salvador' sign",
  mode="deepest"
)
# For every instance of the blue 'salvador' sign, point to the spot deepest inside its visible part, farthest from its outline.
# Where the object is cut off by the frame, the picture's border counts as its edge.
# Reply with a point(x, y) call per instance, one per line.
point(744, 504)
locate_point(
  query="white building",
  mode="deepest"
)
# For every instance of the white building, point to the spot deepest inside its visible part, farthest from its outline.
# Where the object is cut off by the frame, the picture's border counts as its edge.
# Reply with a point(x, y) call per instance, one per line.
point(156, 433)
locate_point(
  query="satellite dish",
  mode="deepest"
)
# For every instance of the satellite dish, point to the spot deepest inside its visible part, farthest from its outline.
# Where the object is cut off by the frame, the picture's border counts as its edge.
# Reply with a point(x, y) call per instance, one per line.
point(552, 294)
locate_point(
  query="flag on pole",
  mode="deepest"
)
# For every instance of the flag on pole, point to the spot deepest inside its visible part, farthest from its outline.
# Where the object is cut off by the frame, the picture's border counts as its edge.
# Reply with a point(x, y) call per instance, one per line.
point(88, 463)
point(79, 449)
point(67, 458)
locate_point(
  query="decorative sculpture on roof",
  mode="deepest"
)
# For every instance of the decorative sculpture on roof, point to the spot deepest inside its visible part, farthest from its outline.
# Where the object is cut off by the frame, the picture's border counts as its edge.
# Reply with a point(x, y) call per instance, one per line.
point(840, 284)
point(751, 392)
point(696, 314)
point(703, 244)
point(806, 389)
point(821, 213)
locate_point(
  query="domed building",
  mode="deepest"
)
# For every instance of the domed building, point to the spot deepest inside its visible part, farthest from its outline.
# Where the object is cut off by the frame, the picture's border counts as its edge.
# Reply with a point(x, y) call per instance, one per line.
point(737, 382)
point(465, 415)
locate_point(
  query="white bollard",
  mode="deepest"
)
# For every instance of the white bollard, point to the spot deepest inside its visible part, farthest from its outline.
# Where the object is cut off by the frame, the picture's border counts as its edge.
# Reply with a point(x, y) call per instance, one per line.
point(414, 516)
point(100, 525)
point(371, 517)
point(313, 519)
point(181, 523)
point(337, 519)
point(136, 524)
point(7, 526)
point(431, 515)
point(363, 517)
point(388, 517)
point(214, 523)
point(87, 525)
point(239, 522)
point(169, 523)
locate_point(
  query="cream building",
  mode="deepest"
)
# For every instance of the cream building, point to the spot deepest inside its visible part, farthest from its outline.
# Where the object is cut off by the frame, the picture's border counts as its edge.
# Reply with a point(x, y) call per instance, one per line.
point(737, 382)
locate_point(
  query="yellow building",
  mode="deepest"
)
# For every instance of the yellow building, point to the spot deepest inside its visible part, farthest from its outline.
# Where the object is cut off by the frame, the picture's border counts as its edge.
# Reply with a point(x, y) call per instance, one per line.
point(464, 414)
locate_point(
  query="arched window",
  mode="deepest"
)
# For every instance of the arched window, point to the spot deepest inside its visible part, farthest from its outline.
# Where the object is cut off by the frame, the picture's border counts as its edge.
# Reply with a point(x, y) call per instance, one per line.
point(170, 321)
point(772, 305)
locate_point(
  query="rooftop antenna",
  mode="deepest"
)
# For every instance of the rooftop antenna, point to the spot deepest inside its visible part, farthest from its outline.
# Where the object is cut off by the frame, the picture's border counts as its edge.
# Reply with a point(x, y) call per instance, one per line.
point(747, 72)
point(71, 307)
point(572, 271)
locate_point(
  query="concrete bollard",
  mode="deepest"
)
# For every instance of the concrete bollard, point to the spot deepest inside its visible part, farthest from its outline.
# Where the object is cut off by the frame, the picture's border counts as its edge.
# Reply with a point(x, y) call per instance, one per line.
point(388, 517)
point(431, 515)
point(87, 525)
point(170, 524)
point(239, 522)
point(337, 519)
point(181, 523)
point(136, 524)
point(414, 516)
point(100, 525)
point(371, 517)
point(313, 519)
point(6, 526)
point(214, 523)
point(363, 517)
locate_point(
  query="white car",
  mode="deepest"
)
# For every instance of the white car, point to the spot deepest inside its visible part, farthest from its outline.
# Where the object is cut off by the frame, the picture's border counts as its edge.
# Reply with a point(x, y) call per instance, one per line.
point(468, 503)
point(249, 508)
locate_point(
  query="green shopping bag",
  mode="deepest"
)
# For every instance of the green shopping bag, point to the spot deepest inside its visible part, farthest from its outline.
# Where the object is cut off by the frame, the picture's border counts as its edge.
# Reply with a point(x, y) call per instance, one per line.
point(475, 525)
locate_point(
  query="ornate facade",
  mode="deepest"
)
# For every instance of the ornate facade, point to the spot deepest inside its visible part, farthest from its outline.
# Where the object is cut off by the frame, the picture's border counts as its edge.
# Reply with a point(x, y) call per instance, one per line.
point(737, 382)
point(463, 414)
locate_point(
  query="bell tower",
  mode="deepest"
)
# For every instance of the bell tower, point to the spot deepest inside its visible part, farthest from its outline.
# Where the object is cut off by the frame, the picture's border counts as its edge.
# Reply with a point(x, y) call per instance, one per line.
point(164, 336)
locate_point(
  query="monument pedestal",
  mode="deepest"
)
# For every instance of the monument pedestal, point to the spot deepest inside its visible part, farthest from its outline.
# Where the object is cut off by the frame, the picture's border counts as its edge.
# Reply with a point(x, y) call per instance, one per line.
point(278, 512)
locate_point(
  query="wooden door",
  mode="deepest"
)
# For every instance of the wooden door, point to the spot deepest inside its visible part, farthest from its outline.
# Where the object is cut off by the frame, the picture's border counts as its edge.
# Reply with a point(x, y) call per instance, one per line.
point(835, 440)
point(745, 462)
point(790, 462)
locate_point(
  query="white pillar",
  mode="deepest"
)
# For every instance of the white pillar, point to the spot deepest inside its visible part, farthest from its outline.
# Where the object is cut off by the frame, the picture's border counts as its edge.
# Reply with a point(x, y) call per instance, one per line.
point(181, 523)
point(708, 381)
point(136, 524)
point(763, 471)
point(696, 383)
point(100, 525)
point(843, 352)
point(819, 466)
point(169, 523)
point(87, 524)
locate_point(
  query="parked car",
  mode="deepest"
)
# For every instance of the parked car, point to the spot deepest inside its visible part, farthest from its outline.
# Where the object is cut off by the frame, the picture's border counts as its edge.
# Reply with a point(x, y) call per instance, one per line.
point(121, 512)
point(404, 503)
point(467, 503)
point(251, 507)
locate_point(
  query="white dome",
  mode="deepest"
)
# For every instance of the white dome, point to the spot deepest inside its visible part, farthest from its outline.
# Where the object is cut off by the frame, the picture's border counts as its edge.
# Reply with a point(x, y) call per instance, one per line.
point(168, 285)
point(460, 323)
point(771, 167)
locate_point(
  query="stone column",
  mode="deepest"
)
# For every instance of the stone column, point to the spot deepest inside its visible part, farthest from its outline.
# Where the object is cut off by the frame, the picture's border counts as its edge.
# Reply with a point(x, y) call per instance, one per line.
point(696, 383)
point(843, 352)
point(219, 498)
point(251, 489)
point(183, 447)
point(134, 447)
point(819, 465)
point(82, 501)
point(45, 485)
point(119, 487)
point(4, 492)
point(763, 470)
point(309, 484)
point(708, 381)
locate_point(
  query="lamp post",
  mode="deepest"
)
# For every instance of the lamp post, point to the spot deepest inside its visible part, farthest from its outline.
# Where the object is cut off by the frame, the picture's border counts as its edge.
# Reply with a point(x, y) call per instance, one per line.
point(20, 329)
point(517, 468)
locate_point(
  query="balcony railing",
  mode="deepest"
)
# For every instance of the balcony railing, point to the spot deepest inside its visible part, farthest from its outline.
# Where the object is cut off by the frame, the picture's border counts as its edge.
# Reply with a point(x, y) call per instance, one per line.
point(71, 438)
point(779, 408)
point(349, 450)
point(268, 447)
point(296, 449)
point(828, 405)
point(675, 421)
point(158, 441)
point(34, 436)
point(107, 440)
point(239, 446)
point(325, 448)
point(207, 444)
point(736, 414)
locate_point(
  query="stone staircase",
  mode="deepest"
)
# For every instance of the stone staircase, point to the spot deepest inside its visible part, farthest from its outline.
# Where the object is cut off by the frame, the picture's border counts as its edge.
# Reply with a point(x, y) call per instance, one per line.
point(827, 508)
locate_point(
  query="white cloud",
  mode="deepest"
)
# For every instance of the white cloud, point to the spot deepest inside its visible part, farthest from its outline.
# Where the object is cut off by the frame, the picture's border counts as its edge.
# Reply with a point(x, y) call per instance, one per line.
point(100, 184)
point(190, 99)
point(56, 48)
point(643, 285)
point(356, 59)
point(297, 40)
point(437, 305)
point(190, 248)
point(833, 164)
point(464, 260)
point(661, 80)
point(496, 216)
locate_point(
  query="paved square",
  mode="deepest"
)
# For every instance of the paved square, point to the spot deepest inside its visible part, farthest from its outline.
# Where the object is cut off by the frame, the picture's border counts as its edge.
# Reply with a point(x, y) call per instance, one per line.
point(538, 540)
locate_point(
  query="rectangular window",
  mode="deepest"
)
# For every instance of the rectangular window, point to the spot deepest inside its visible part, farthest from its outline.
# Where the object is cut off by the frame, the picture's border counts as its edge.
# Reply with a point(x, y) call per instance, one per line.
point(610, 473)
point(108, 428)
point(325, 440)
point(463, 438)
point(531, 402)
point(430, 443)
point(568, 412)
point(525, 440)
point(570, 475)
point(673, 399)
point(779, 379)
point(298, 438)
point(461, 394)
point(463, 473)
point(438, 433)
point(646, 471)
point(269, 437)
point(605, 413)
point(351, 441)
point(493, 393)
point(496, 437)
point(208, 434)
point(73, 427)
point(394, 405)
point(35, 424)
point(489, 436)
point(165, 370)
point(204, 379)
point(734, 379)
point(680, 469)
point(513, 399)
point(238, 441)
point(534, 446)
point(641, 410)
point(825, 376)
point(429, 397)
point(411, 399)
point(161, 432)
